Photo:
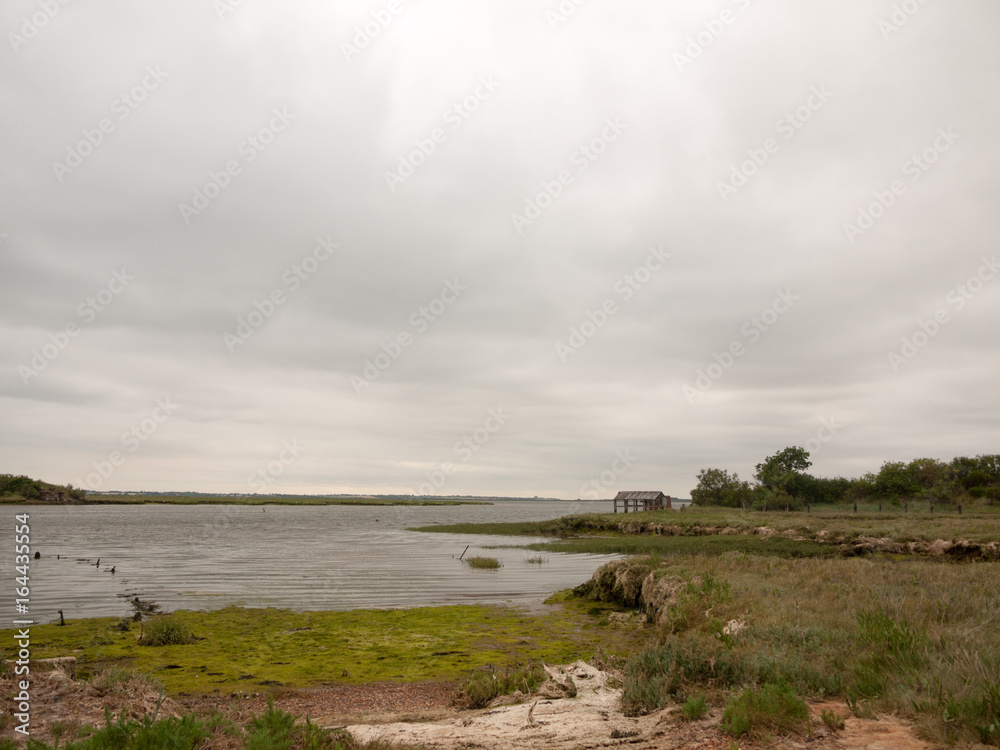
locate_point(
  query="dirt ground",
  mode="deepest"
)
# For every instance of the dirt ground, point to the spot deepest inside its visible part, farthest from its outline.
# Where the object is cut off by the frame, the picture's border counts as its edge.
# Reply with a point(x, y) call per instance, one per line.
point(422, 714)
point(593, 719)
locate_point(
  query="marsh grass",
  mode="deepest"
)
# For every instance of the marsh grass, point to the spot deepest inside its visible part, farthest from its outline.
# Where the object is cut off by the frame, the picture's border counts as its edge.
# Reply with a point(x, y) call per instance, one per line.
point(482, 563)
point(978, 523)
point(536, 560)
point(916, 638)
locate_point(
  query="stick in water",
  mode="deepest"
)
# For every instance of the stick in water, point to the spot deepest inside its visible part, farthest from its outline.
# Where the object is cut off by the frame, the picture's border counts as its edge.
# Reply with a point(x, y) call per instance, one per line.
point(464, 551)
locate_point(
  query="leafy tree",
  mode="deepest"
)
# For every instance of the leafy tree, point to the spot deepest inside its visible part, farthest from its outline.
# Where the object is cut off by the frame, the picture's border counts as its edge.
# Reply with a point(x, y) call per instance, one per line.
point(896, 479)
point(719, 487)
point(783, 470)
point(928, 472)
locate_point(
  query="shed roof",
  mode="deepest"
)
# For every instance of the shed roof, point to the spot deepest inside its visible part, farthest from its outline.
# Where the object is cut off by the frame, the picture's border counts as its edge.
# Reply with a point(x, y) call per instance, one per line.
point(639, 495)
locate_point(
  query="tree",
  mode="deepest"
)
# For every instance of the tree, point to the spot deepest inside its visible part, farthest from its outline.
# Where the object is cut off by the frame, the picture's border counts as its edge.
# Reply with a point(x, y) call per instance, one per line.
point(783, 470)
point(928, 472)
point(719, 487)
point(896, 479)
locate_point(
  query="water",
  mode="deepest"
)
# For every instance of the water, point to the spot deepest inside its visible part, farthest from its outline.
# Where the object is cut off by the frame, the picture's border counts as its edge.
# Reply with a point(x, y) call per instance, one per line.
point(302, 558)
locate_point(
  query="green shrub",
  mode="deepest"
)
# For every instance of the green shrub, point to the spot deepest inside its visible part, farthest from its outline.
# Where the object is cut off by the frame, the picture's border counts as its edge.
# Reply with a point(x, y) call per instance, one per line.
point(271, 730)
point(761, 711)
point(185, 733)
point(165, 631)
point(694, 708)
point(483, 563)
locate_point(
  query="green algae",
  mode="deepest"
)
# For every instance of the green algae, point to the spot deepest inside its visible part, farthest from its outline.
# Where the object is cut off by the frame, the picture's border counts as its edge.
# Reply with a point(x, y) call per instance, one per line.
point(239, 649)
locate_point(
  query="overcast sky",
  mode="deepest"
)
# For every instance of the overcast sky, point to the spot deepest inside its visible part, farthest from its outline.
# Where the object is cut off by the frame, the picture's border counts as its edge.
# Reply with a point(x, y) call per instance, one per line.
point(509, 247)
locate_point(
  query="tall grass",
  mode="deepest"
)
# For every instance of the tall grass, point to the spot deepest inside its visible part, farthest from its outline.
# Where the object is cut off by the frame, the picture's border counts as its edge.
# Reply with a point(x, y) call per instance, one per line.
point(915, 638)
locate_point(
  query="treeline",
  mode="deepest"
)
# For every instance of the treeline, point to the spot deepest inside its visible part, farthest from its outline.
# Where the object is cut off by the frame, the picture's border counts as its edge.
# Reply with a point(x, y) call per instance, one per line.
point(781, 481)
point(20, 488)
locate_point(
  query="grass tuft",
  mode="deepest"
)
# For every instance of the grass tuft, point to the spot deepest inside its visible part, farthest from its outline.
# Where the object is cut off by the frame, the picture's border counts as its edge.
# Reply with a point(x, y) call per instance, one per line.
point(832, 719)
point(482, 563)
point(165, 631)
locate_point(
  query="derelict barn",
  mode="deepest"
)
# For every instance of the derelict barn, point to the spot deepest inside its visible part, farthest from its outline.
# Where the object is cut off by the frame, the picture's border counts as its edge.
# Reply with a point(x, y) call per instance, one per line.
point(642, 500)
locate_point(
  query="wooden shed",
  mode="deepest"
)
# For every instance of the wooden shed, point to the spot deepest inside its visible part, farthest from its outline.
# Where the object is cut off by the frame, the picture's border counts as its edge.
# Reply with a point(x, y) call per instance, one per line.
point(638, 500)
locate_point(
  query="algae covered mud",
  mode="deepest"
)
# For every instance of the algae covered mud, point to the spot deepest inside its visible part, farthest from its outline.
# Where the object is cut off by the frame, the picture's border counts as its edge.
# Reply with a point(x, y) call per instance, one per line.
point(292, 557)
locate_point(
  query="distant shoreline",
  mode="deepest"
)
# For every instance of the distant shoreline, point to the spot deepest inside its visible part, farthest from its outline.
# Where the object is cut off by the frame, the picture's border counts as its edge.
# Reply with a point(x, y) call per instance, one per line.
point(185, 499)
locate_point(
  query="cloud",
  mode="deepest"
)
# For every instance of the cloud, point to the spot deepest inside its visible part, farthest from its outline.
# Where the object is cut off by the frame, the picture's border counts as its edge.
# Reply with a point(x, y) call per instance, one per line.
point(493, 110)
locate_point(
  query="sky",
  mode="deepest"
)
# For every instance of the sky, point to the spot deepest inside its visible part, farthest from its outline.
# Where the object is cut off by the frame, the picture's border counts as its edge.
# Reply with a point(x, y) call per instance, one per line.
point(511, 247)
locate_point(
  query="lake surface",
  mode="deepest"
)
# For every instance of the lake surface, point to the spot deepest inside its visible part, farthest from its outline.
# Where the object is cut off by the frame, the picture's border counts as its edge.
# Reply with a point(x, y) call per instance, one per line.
point(295, 557)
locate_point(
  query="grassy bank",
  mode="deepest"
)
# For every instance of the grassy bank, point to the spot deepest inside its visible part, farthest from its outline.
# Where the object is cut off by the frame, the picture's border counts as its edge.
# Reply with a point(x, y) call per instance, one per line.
point(623, 544)
point(249, 649)
point(916, 638)
point(979, 525)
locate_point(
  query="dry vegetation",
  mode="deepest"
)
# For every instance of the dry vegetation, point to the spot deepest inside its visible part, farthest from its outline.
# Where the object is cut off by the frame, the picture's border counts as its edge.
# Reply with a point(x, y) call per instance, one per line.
point(916, 638)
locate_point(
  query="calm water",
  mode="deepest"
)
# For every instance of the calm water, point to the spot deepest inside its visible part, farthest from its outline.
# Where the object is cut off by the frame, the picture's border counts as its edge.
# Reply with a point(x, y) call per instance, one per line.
point(334, 557)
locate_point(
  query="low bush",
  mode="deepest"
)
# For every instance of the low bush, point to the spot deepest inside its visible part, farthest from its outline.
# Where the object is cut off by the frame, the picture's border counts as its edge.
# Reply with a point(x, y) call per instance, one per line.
point(694, 708)
point(758, 712)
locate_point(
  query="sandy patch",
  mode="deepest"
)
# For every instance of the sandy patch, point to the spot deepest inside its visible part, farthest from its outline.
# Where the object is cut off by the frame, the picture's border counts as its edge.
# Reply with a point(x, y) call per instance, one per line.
point(593, 719)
